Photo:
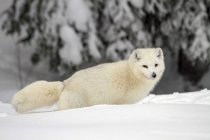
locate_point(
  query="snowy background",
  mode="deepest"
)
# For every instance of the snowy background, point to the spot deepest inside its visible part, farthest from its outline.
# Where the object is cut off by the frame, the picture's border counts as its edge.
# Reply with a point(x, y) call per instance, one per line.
point(51, 39)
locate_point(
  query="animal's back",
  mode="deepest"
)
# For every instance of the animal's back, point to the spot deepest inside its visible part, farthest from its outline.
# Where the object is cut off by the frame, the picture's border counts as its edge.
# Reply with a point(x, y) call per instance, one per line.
point(104, 84)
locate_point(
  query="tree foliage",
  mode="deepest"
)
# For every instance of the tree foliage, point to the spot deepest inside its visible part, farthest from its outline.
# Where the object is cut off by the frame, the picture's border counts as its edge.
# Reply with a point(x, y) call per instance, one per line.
point(111, 29)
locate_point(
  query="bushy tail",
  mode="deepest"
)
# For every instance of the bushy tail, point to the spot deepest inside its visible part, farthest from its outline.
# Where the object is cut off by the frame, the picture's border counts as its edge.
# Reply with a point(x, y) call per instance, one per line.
point(36, 95)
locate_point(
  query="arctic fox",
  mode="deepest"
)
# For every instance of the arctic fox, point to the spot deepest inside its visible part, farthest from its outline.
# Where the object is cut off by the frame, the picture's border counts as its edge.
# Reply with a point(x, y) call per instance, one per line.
point(123, 82)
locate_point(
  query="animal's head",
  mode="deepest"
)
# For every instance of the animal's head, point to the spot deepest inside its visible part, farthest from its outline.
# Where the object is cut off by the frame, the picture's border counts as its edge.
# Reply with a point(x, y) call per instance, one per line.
point(147, 63)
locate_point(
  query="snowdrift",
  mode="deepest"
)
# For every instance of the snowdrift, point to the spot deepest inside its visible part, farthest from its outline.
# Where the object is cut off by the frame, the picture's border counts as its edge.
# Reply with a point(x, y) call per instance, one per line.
point(175, 116)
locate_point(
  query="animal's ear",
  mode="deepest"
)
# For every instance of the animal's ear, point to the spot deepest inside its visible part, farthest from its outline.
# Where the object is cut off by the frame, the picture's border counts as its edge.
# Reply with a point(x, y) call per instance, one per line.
point(159, 53)
point(137, 55)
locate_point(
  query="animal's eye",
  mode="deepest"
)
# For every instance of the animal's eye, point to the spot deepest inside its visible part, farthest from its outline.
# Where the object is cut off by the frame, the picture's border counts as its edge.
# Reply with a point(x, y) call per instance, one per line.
point(156, 65)
point(145, 66)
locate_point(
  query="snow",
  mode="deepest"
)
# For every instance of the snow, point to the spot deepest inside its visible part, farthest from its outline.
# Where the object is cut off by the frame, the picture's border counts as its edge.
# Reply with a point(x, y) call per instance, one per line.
point(202, 97)
point(138, 3)
point(78, 12)
point(72, 46)
point(115, 50)
point(174, 116)
point(92, 44)
point(78, 21)
point(155, 4)
point(200, 45)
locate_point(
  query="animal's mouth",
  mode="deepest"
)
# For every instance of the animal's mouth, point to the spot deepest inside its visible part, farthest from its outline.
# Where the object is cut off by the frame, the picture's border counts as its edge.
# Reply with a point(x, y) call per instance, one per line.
point(150, 77)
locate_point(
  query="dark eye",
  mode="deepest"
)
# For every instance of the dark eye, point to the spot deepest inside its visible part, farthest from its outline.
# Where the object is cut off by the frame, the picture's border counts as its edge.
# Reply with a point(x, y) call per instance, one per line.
point(145, 66)
point(156, 65)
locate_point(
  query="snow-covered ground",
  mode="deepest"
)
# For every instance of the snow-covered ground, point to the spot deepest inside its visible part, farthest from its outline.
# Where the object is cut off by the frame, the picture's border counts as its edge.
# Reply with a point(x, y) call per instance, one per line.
point(158, 117)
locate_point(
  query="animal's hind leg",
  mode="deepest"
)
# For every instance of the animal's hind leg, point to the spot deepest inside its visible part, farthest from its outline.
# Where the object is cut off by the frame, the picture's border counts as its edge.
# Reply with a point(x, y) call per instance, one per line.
point(71, 99)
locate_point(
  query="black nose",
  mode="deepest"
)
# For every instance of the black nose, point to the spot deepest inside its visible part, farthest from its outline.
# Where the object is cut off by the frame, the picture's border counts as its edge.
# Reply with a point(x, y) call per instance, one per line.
point(153, 75)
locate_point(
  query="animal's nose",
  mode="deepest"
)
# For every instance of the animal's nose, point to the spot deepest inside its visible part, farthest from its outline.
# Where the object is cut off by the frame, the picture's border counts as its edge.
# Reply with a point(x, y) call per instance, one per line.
point(154, 75)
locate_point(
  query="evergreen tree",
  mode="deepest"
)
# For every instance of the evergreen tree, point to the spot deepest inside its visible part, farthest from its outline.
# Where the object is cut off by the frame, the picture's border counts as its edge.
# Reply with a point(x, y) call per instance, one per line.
point(71, 32)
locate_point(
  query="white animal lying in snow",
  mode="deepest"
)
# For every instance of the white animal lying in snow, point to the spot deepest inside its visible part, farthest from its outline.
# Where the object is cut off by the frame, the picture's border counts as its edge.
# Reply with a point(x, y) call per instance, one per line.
point(122, 82)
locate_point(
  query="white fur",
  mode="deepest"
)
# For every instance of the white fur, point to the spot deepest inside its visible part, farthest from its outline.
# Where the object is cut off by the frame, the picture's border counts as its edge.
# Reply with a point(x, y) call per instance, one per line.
point(37, 94)
point(122, 82)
